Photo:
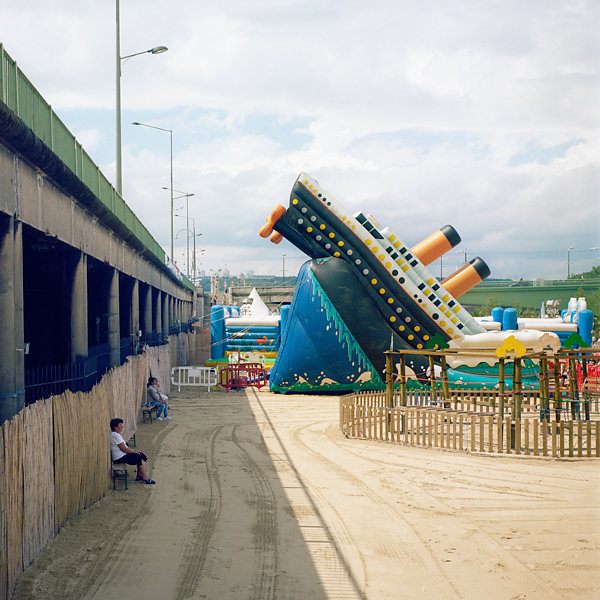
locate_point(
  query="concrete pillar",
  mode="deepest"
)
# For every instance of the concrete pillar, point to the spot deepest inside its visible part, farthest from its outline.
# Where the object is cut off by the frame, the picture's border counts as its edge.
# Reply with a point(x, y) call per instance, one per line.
point(165, 314)
point(158, 324)
point(114, 339)
point(79, 307)
point(12, 343)
point(172, 310)
point(147, 324)
point(135, 315)
point(135, 308)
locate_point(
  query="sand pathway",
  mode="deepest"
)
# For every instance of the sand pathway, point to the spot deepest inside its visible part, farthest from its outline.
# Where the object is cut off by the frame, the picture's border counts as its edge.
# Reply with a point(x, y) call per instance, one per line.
point(260, 497)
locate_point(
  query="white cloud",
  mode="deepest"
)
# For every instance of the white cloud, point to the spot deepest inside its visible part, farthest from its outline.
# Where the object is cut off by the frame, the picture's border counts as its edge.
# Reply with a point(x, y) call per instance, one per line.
point(414, 111)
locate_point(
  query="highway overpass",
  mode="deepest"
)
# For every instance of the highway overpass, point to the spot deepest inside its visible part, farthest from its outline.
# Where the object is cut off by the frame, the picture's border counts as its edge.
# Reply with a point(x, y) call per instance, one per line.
point(529, 294)
point(82, 281)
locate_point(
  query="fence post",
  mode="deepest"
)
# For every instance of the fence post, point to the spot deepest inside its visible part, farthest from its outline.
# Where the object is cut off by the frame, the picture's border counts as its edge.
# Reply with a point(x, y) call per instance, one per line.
point(431, 377)
point(573, 386)
point(571, 438)
point(544, 390)
point(557, 390)
point(445, 387)
point(517, 387)
point(389, 379)
point(403, 379)
point(584, 388)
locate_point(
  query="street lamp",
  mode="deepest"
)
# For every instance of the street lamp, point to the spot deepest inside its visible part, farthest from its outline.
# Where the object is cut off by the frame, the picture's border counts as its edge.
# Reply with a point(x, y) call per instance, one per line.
point(194, 236)
point(464, 253)
point(170, 132)
point(187, 216)
point(569, 261)
point(119, 61)
point(283, 268)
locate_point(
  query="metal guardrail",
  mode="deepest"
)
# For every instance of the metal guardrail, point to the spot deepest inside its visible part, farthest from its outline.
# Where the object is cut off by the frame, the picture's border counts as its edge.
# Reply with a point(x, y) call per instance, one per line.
point(21, 97)
point(42, 381)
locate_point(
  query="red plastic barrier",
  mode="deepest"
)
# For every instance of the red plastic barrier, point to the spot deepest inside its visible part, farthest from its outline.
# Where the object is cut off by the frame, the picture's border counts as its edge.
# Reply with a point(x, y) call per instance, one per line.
point(243, 375)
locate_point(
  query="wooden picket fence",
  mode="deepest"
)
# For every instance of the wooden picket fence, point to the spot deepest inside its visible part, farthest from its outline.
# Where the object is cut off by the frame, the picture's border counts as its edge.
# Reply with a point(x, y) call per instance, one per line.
point(482, 401)
point(54, 456)
point(366, 416)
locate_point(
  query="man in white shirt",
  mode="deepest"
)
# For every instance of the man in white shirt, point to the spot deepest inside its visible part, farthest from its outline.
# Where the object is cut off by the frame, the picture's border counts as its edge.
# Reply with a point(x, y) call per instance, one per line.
point(122, 453)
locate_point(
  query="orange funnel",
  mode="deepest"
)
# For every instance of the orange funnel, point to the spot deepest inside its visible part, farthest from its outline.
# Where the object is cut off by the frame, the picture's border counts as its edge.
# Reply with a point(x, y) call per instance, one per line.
point(467, 277)
point(436, 244)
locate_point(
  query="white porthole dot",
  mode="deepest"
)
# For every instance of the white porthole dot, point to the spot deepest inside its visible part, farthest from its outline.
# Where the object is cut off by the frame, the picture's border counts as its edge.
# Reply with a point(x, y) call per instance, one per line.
point(313, 218)
point(304, 209)
point(327, 246)
point(318, 238)
point(365, 271)
point(300, 221)
point(357, 261)
point(350, 253)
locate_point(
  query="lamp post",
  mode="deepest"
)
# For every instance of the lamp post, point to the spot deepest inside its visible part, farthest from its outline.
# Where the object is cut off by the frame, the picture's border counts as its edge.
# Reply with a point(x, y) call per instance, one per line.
point(464, 253)
point(170, 132)
point(119, 60)
point(283, 268)
point(187, 217)
point(194, 236)
point(569, 261)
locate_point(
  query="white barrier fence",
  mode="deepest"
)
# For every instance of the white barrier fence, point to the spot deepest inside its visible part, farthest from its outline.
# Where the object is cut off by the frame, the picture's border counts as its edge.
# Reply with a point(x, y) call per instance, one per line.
point(194, 377)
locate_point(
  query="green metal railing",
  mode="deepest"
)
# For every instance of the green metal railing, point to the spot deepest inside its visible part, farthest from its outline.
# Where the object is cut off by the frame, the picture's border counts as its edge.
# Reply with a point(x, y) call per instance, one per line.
point(21, 97)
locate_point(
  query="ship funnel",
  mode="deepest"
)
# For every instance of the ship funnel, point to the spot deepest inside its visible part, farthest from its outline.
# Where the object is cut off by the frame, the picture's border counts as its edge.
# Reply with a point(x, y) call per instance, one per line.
point(468, 276)
point(276, 214)
point(436, 244)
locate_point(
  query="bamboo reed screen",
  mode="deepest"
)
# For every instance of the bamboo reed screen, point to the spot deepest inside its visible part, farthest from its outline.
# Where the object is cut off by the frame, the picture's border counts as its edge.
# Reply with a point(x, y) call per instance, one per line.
point(38, 479)
point(55, 456)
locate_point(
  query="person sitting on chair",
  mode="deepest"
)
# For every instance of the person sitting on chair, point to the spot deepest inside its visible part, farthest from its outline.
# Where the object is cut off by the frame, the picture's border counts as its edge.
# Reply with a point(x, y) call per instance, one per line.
point(154, 397)
point(121, 453)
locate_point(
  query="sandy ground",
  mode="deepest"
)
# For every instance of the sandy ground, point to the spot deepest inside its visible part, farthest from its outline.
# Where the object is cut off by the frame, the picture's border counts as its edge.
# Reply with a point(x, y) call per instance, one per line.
point(259, 496)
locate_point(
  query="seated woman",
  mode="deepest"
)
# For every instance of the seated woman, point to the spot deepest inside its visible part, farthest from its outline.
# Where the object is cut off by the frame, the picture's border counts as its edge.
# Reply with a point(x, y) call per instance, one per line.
point(154, 397)
point(121, 453)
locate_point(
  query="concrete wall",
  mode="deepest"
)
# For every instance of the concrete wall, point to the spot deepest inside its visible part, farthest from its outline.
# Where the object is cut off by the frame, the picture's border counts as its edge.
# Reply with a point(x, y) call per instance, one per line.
point(35, 201)
point(68, 282)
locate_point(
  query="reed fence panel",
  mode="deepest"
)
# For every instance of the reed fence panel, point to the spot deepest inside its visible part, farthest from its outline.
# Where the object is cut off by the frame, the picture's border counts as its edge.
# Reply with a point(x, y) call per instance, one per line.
point(3, 521)
point(55, 457)
point(38, 479)
point(13, 499)
point(159, 365)
point(128, 390)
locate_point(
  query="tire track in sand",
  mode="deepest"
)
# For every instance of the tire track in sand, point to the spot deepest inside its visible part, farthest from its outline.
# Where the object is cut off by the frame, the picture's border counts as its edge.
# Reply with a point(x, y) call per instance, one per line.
point(115, 540)
point(411, 552)
point(265, 539)
point(395, 515)
point(324, 543)
point(195, 555)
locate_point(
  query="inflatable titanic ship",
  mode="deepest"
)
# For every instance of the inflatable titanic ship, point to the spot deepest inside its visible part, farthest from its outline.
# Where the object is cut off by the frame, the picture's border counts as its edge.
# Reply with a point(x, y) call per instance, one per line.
point(364, 291)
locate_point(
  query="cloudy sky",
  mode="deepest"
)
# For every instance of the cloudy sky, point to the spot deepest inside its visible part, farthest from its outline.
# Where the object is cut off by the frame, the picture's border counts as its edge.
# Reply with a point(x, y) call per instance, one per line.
point(482, 114)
